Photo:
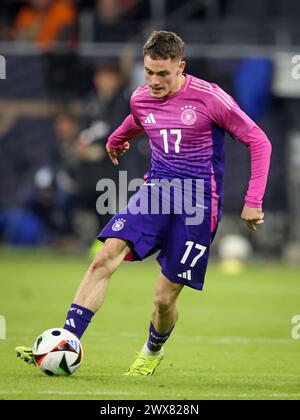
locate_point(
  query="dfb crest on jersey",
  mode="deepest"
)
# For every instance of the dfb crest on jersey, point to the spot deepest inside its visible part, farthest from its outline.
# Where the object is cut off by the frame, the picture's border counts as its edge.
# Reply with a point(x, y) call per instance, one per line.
point(188, 115)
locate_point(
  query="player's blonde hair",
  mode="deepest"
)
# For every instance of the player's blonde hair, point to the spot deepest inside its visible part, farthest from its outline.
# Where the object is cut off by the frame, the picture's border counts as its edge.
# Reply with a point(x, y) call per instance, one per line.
point(164, 45)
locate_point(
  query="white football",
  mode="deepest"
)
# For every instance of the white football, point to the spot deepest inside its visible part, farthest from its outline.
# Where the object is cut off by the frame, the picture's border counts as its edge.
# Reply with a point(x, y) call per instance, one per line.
point(234, 247)
point(57, 352)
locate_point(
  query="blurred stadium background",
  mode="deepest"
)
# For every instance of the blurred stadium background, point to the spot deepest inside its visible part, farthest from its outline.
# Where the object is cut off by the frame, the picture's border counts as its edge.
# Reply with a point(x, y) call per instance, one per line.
point(69, 78)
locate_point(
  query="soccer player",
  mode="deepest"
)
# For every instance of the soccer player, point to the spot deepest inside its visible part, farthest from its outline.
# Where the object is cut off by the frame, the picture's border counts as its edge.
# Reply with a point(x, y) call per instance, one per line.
point(185, 119)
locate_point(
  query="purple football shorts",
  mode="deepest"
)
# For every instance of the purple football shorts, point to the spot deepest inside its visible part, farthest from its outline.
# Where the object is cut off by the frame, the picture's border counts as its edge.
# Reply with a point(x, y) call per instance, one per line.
point(183, 247)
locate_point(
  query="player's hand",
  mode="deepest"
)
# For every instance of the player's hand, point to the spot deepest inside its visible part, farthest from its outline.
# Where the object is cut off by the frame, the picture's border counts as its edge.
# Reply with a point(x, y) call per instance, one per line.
point(115, 153)
point(252, 217)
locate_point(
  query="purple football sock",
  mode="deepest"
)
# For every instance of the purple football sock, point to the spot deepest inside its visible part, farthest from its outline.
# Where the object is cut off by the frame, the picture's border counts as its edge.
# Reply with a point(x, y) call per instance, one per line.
point(78, 319)
point(156, 340)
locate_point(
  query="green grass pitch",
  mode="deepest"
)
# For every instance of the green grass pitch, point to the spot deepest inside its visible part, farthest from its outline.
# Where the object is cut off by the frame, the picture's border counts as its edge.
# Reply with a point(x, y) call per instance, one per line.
point(231, 342)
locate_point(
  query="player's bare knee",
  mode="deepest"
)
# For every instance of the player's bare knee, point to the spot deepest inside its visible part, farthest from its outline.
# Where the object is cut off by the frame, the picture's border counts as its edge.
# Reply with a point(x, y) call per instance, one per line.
point(102, 260)
point(108, 257)
point(163, 304)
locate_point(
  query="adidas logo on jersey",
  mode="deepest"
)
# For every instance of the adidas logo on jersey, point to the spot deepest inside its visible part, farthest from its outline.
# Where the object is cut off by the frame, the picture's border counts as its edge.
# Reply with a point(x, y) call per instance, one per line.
point(186, 275)
point(150, 119)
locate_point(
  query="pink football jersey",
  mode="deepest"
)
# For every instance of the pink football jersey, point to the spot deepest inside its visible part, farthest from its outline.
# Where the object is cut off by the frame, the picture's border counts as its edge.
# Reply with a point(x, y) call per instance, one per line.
point(186, 131)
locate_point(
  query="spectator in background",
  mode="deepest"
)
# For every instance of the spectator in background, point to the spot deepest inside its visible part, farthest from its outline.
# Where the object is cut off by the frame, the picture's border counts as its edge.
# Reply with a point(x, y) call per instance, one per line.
point(65, 159)
point(78, 164)
point(112, 21)
point(54, 191)
point(64, 191)
point(104, 106)
point(45, 22)
point(42, 215)
point(80, 159)
point(108, 99)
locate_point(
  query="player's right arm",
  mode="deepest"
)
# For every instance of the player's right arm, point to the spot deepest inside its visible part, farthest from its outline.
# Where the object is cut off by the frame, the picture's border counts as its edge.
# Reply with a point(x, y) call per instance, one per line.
point(118, 141)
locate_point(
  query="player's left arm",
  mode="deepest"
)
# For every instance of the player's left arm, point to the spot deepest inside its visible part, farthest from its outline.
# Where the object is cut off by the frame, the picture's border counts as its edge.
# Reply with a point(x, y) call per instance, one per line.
point(260, 151)
point(227, 114)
